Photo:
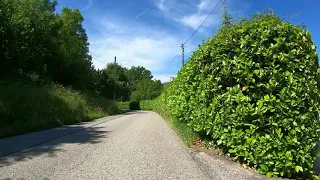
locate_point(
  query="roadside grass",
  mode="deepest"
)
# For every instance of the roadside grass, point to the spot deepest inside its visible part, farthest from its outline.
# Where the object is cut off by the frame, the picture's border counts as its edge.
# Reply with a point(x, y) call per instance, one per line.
point(185, 132)
point(27, 108)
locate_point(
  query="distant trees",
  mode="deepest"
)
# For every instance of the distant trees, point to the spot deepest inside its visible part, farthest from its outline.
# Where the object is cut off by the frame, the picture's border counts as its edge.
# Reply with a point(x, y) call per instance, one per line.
point(142, 85)
point(134, 83)
point(43, 46)
point(147, 89)
point(136, 74)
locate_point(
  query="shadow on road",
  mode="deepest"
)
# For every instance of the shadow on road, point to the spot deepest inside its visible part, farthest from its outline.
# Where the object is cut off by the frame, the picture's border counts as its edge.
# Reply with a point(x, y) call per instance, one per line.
point(49, 142)
point(132, 112)
point(80, 135)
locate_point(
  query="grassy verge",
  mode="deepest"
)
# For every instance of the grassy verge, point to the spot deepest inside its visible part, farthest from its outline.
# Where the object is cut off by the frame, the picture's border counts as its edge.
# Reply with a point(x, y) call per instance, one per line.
point(185, 132)
point(27, 108)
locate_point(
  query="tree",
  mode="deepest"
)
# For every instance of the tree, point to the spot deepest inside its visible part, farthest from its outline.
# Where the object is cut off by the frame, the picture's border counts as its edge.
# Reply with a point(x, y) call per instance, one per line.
point(28, 28)
point(38, 42)
point(147, 89)
point(136, 73)
point(118, 74)
point(75, 62)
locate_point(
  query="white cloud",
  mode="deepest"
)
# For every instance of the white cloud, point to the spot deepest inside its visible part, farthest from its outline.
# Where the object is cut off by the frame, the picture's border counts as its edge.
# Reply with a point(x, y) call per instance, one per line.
point(164, 78)
point(161, 6)
point(193, 14)
point(195, 20)
point(136, 45)
point(206, 5)
point(88, 6)
point(152, 53)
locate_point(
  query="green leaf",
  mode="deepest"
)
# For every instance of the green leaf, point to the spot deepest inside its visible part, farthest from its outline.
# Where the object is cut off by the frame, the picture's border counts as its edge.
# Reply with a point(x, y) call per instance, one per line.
point(278, 131)
point(298, 168)
point(264, 168)
point(294, 139)
point(289, 155)
point(269, 174)
point(232, 151)
point(260, 104)
point(289, 163)
point(267, 136)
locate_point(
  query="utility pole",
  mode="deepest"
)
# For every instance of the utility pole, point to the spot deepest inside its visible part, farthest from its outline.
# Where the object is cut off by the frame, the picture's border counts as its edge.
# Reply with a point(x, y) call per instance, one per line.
point(182, 51)
point(114, 93)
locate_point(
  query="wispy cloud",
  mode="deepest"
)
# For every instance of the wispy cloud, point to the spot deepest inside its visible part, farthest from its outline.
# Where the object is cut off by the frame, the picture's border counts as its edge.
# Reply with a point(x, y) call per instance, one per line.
point(88, 6)
point(192, 14)
point(161, 5)
point(143, 45)
point(137, 16)
point(154, 53)
point(194, 20)
point(206, 5)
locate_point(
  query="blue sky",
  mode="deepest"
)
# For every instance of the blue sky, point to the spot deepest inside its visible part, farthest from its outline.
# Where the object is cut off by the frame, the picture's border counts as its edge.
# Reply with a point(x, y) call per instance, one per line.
point(150, 32)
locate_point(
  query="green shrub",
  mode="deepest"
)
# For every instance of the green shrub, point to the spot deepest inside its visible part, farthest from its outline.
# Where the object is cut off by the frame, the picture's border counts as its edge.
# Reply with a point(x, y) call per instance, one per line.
point(149, 105)
point(134, 105)
point(254, 88)
point(123, 105)
point(27, 108)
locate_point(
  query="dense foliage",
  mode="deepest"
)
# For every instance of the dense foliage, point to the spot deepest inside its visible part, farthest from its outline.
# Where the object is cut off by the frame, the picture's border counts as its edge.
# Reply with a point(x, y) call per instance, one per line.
point(26, 108)
point(254, 89)
point(146, 89)
point(40, 45)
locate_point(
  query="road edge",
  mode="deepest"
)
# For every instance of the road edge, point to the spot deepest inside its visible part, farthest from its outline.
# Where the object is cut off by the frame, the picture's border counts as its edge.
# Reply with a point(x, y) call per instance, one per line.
point(14, 144)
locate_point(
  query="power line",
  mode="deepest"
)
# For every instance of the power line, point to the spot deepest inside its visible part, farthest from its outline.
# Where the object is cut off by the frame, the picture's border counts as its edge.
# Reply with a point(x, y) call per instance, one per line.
point(98, 60)
point(170, 63)
point(216, 8)
point(209, 15)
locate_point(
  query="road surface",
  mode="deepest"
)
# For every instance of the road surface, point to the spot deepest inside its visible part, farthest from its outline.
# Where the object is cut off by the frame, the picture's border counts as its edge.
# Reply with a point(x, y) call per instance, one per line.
point(137, 145)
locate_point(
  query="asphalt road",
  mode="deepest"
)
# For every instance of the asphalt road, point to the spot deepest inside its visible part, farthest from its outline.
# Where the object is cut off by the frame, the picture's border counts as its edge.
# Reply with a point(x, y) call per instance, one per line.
point(138, 145)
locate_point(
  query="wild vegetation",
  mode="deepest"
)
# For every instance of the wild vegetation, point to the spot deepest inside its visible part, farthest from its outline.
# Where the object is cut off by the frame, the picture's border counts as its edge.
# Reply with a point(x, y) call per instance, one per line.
point(46, 73)
point(26, 107)
point(253, 88)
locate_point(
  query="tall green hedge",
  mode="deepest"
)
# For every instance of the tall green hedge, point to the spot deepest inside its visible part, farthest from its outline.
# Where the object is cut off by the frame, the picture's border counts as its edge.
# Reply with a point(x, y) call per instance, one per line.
point(253, 87)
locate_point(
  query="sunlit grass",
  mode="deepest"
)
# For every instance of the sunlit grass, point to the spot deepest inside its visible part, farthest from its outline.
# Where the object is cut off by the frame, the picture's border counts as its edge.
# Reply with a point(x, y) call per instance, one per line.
point(27, 108)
